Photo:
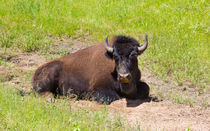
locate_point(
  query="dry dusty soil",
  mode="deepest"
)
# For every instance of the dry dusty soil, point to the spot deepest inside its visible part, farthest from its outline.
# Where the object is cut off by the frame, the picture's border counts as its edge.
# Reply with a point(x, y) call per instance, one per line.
point(155, 113)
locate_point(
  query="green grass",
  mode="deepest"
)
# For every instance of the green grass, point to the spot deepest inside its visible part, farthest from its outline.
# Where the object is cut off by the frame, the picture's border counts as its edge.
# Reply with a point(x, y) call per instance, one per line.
point(178, 30)
point(182, 98)
point(34, 113)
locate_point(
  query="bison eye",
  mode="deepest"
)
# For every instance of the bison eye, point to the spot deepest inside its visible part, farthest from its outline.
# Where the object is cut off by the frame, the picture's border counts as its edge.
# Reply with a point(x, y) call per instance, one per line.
point(116, 58)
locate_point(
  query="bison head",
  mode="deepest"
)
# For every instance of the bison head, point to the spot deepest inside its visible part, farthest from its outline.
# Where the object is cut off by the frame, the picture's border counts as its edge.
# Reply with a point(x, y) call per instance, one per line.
point(124, 52)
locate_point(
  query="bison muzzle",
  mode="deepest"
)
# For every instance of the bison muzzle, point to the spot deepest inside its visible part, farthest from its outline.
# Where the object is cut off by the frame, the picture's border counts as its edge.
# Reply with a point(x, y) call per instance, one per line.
point(104, 72)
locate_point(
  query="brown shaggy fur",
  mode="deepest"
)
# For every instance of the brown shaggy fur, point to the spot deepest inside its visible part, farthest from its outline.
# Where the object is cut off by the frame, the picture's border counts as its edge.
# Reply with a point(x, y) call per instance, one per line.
point(87, 73)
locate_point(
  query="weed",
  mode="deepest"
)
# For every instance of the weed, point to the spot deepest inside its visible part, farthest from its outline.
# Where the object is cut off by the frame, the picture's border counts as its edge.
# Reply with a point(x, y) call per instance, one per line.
point(182, 98)
point(6, 40)
point(205, 102)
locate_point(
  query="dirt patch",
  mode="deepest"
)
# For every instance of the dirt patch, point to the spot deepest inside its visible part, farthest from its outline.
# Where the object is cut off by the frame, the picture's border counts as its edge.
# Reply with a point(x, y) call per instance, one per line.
point(164, 115)
point(6, 74)
point(27, 61)
point(150, 115)
point(65, 45)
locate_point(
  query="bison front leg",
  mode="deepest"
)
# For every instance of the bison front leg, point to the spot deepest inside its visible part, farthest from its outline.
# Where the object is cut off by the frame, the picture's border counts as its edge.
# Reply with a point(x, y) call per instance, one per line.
point(105, 96)
point(142, 90)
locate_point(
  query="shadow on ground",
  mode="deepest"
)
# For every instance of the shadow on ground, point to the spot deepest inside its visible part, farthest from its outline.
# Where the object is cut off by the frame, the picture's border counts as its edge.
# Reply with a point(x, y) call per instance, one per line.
point(137, 102)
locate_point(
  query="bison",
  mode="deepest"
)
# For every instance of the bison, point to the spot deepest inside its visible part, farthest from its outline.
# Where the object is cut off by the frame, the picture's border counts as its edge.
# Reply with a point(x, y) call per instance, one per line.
point(103, 72)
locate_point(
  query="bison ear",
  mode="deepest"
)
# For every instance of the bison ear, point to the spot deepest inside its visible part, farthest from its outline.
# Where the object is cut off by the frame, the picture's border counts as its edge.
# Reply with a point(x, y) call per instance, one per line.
point(109, 55)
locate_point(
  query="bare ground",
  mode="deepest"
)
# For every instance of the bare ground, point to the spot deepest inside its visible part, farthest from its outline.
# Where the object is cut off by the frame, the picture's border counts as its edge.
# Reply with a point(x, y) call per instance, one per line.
point(162, 111)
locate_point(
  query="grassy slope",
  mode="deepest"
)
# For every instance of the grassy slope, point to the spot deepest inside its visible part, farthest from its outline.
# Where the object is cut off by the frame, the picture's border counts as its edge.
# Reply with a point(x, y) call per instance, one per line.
point(178, 30)
point(34, 113)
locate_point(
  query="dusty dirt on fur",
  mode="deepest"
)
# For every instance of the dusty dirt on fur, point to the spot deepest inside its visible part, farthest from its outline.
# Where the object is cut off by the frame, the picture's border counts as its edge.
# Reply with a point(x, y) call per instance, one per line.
point(156, 113)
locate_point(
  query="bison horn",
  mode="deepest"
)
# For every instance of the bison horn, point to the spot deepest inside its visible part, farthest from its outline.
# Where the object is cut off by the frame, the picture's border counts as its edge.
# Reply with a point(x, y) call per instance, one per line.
point(109, 49)
point(142, 48)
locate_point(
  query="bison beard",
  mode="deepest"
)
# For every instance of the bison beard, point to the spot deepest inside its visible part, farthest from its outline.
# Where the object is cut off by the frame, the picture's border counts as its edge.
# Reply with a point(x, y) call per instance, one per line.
point(104, 72)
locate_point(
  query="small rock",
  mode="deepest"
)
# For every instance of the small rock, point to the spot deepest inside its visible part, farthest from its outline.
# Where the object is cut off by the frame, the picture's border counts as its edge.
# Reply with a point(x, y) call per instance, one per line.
point(184, 89)
point(51, 100)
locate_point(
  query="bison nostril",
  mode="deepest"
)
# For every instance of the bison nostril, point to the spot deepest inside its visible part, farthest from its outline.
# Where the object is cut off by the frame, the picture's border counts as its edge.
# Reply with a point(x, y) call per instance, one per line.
point(124, 78)
point(125, 75)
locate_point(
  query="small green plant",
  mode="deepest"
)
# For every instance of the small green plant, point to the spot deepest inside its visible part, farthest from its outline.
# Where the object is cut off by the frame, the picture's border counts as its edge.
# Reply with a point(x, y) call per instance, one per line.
point(5, 40)
point(188, 128)
point(71, 43)
point(182, 98)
